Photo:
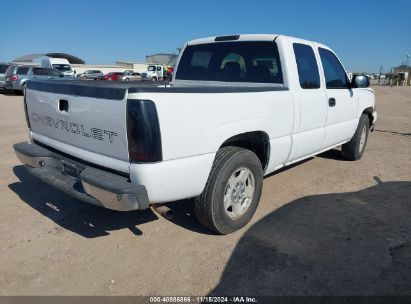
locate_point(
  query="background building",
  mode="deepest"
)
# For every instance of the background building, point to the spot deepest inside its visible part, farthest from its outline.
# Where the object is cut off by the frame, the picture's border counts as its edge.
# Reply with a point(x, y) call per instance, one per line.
point(402, 75)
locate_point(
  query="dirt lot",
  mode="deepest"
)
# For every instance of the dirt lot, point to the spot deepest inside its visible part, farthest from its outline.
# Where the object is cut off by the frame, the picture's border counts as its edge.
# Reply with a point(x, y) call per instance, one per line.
point(325, 227)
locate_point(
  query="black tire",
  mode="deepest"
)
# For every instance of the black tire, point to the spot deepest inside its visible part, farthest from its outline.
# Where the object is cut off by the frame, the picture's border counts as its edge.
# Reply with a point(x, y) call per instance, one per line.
point(209, 206)
point(153, 78)
point(353, 150)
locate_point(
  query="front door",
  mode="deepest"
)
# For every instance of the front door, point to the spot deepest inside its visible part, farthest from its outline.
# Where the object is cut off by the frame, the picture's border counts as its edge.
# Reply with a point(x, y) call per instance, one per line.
point(342, 117)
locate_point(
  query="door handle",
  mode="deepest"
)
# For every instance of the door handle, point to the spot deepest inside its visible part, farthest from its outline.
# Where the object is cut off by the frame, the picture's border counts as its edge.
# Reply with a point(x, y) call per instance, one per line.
point(332, 102)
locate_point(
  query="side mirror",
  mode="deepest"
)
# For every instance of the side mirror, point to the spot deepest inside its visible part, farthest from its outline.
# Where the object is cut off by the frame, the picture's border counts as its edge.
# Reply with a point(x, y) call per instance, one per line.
point(361, 81)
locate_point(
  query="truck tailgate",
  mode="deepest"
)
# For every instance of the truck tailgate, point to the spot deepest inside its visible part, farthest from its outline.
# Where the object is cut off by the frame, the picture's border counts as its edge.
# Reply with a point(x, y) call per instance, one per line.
point(87, 118)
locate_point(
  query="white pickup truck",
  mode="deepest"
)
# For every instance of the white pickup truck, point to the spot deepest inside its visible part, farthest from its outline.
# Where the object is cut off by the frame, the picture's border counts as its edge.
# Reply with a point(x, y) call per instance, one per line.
point(238, 108)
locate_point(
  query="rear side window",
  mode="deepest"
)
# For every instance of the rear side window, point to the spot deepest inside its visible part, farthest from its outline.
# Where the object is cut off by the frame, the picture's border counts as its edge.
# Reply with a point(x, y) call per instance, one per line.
point(39, 71)
point(22, 70)
point(51, 72)
point(3, 68)
point(335, 76)
point(240, 61)
point(307, 66)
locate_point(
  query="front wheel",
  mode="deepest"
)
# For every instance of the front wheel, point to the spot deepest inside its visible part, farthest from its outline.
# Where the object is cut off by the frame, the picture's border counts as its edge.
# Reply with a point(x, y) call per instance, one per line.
point(354, 149)
point(232, 192)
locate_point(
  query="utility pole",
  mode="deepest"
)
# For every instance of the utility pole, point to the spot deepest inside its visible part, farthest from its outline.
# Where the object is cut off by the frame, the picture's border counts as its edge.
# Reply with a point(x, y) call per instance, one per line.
point(379, 75)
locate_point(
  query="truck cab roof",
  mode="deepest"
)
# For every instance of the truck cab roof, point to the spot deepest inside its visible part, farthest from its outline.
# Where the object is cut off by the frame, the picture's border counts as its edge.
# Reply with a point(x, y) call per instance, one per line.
point(243, 37)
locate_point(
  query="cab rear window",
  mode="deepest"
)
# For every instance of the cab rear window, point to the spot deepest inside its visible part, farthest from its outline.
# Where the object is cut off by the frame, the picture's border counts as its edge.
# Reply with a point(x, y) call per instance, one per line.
point(240, 61)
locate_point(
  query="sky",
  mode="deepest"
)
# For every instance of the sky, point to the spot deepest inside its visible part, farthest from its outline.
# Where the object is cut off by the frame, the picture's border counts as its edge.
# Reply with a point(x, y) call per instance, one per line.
point(364, 34)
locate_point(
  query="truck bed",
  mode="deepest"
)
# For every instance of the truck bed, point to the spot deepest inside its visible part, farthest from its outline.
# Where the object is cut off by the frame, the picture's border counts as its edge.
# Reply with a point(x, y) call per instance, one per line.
point(116, 90)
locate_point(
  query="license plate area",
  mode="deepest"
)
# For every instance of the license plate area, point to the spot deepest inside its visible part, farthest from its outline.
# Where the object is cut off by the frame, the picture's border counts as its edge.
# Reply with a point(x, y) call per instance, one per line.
point(70, 170)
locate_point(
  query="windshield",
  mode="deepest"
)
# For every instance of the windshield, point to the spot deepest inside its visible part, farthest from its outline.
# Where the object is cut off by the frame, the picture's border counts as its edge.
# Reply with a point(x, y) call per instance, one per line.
point(152, 68)
point(240, 61)
point(62, 67)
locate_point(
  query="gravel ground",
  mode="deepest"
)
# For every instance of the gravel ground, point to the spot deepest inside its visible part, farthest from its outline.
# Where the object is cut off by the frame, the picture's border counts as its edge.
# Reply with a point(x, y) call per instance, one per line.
point(323, 227)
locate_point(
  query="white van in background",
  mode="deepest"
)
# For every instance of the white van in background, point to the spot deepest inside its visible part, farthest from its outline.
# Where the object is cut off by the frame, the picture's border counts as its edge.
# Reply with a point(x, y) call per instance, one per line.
point(60, 64)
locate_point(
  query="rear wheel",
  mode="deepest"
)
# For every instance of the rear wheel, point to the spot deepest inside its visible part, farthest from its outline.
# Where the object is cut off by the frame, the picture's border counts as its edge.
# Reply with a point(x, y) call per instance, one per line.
point(153, 78)
point(354, 149)
point(232, 192)
point(127, 79)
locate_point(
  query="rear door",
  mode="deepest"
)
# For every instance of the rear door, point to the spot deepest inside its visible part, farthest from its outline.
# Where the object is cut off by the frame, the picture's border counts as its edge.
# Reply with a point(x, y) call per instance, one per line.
point(342, 100)
point(311, 104)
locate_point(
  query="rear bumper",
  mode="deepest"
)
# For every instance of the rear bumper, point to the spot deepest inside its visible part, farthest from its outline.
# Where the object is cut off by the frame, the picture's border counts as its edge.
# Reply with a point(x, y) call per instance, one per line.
point(8, 85)
point(86, 183)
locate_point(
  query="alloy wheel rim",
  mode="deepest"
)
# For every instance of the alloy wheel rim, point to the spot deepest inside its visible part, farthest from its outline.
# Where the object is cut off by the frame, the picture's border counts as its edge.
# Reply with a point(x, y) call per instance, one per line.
point(362, 138)
point(239, 193)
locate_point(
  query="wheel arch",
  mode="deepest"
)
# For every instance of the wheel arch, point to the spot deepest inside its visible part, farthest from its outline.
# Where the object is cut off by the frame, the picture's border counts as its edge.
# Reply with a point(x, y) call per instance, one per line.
point(368, 111)
point(255, 141)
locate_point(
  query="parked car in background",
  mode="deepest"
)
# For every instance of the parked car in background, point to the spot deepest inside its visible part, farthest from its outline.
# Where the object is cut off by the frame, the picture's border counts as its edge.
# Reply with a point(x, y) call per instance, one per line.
point(3, 68)
point(168, 73)
point(91, 74)
point(16, 76)
point(112, 76)
point(60, 64)
point(131, 77)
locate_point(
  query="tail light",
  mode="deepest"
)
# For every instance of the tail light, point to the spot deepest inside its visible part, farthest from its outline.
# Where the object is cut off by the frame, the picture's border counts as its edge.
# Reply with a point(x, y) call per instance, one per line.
point(143, 131)
point(14, 78)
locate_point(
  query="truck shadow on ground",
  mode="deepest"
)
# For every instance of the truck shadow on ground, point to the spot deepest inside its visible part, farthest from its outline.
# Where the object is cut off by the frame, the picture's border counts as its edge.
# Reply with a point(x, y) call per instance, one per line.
point(334, 154)
point(394, 132)
point(356, 243)
point(81, 218)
